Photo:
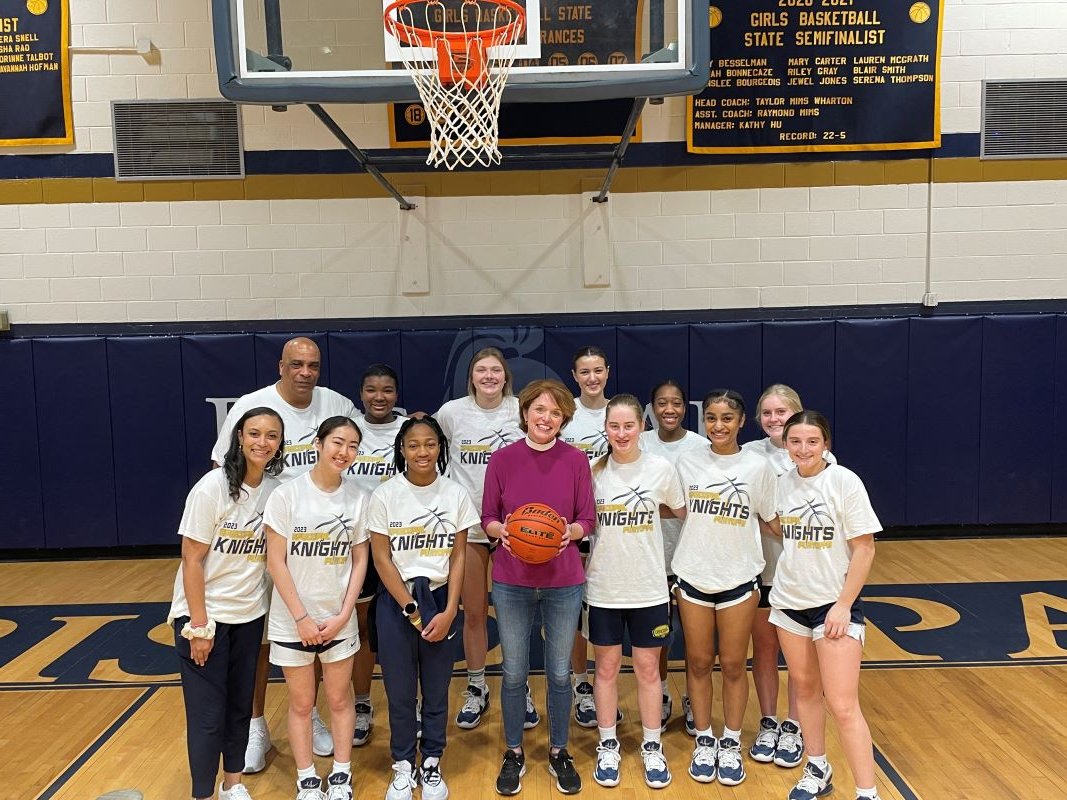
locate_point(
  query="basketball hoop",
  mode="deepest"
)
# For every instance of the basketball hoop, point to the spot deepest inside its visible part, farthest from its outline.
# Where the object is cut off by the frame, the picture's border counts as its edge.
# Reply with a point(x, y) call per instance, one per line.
point(460, 71)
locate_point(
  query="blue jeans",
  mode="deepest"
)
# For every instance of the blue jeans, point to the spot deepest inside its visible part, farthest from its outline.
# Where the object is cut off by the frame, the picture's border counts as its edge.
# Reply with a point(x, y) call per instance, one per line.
point(516, 614)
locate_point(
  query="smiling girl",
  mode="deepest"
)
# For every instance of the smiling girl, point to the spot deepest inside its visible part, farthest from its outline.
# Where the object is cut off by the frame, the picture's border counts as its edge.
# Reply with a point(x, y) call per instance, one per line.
point(718, 563)
point(220, 599)
point(624, 589)
point(419, 520)
point(317, 556)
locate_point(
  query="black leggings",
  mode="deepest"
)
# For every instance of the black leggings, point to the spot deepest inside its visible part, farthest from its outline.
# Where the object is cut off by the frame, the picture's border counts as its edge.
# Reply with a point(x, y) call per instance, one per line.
point(218, 700)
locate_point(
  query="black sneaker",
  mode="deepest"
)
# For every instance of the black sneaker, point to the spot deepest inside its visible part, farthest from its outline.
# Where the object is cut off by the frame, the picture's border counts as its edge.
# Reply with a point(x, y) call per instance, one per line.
point(509, 782)
point(561, 767)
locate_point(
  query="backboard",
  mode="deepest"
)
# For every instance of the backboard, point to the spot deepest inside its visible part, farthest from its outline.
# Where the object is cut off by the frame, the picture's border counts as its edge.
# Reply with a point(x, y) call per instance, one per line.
point(338, 51)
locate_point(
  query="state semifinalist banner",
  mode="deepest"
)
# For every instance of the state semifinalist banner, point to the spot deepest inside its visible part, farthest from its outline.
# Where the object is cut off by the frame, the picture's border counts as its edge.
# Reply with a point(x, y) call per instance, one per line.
point(34, 73)
point(793, 76)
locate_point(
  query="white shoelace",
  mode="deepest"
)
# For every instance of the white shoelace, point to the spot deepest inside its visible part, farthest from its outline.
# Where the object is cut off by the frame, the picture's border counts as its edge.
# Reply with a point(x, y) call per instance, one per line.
point(474, 703)
point(790, 742)
point(767, 737)
point(309, 794)
point(238, 792)
point(404, 779)
point(431, 776)
point(586, 703)
point(363, 718)
point(608, 757)
point(343, 792)
point(529, 704)
point(810, 782)
point(730, 757)
point(704, 755)
point(653, 759)
point(258, 737)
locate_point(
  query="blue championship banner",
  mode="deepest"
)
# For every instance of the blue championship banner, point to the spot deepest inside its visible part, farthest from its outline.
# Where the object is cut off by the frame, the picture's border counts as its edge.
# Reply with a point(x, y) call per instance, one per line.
point(804, 76)
point(34, 73)
point(572, 32)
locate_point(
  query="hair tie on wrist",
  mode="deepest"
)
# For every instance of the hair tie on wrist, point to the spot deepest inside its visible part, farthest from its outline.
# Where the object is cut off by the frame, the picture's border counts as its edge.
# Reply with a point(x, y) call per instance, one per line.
point(298, 621)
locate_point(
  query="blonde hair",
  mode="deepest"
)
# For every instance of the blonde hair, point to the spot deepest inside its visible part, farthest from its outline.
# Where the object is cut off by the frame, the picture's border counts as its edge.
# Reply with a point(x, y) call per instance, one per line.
point(488, 352)
point(556, 390)
point(618, 400)
point(787, 393)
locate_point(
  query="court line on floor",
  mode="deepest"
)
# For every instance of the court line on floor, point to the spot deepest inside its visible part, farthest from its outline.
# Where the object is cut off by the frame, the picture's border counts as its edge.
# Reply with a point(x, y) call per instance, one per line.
point(894, 776)
point(94, 747)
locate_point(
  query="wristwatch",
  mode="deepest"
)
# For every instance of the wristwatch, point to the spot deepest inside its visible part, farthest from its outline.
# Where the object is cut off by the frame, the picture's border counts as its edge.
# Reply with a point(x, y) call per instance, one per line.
point(411, 609)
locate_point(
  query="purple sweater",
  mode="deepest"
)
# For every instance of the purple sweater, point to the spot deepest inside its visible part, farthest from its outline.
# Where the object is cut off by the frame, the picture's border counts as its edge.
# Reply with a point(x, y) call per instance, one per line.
point(558, 477)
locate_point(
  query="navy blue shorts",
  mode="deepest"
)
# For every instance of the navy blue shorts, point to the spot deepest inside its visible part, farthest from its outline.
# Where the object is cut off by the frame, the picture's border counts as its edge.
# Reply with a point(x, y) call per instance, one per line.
point(717, 600)
point(649, 626)
point(811, 621)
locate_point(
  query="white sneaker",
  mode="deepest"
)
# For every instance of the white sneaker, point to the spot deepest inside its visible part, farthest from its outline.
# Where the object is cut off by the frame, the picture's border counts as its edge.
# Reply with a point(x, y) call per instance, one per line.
point(433, 785)
point(321, 740)
point(403, 782)
point(258, 747)
point(364, 724)
point(310, 789)
point(236, 792)
point(339, 786)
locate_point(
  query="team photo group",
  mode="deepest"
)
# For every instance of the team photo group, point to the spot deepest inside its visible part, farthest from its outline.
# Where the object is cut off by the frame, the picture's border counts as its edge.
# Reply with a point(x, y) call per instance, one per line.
point(327, 541)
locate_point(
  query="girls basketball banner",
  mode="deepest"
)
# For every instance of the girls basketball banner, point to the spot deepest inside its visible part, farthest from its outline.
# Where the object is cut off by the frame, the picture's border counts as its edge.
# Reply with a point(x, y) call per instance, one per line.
point(34, 73)
point(796, 76)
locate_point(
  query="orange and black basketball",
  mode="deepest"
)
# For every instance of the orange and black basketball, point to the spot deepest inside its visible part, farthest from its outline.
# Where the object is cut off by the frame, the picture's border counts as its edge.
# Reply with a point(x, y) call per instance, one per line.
point(535, 532)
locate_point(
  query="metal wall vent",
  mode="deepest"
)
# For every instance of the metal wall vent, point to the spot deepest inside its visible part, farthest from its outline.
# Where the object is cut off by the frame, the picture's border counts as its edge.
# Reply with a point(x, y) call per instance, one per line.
point(1024, 118)
point(176, 140)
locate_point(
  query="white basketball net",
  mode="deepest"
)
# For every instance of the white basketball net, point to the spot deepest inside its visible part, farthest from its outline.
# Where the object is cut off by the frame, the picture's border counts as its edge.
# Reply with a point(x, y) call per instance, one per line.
point(463, 112)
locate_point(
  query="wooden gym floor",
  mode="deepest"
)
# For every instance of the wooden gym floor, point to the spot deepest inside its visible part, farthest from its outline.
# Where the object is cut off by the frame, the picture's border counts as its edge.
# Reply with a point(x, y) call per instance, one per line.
point(964, 686)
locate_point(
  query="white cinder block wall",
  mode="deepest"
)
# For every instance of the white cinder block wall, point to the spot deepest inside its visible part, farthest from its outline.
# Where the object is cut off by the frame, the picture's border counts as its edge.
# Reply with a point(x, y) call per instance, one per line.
point(119, 262)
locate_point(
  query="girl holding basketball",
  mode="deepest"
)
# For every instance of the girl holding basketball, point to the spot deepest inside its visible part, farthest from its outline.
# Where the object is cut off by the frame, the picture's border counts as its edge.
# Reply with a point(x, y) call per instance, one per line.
point(590, 371)
point(538, 469)
point(419, 522)
point(718, 563)
point(784, 744)
point(624, 588)
point(670, 439)
point(828, 529)
point(220, 599)
point(476, 426)
point(317, 556)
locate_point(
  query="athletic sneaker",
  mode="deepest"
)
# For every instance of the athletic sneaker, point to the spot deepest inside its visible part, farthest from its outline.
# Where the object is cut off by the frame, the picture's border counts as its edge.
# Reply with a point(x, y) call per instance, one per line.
point(532, 717)
point(364, 724)
point(790, 749)
point(433, 785)
point(321, 740)
point(728, 762)
point(657, 773)
point(608, 758)
point(475, 704)
point(310, 789)
point(509, 781)
point(258, 747)
point(561, 767)
point(236, 792)
point(813, 783)
point(668, 707)
point(687, 707)
point(339, 786)
point(766, 743)
point(584, 705)
point(403, 782)
point(702, 764)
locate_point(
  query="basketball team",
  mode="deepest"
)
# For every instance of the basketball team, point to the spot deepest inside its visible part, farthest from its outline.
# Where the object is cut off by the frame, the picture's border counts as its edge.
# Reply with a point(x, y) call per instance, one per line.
point(328, 540)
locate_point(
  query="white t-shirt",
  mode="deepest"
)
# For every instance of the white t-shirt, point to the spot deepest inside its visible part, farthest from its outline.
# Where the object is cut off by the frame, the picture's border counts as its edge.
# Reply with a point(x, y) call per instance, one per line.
point(421, 523)
point(720, 544)
point(586, 430)
point(475, 433)
point(626, 567)
point(818, 515)
point(651, 443)
point(375, 463)
point(300, 424)
point(320, 529)
point(235, 574)
point(781, 463)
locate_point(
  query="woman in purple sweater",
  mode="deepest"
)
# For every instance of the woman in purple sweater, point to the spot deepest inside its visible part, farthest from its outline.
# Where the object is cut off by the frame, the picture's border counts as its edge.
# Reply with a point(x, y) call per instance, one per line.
point(538, 469)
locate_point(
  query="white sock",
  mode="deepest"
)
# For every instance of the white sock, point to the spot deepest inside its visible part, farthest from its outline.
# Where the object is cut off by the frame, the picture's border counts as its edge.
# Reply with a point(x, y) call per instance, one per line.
point(729, 734)
point(476, 677)
point(608, 733)
point(306, 772)
point(363, 698)
point(346, 767)
point(707, 733)
point(663, 687)
point(258, 723)
point(650, 734)
point(819, 761)
point(867, 794)
point(580, 677)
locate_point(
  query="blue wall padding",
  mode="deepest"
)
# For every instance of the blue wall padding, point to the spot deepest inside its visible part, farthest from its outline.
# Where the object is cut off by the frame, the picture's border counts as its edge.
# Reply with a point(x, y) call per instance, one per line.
point(871, 421)
point(352, 353)
point(212, 366)
point(1016, 453)
point(948, 420)
point(150, 482)
point(21, 501)
point(944, 404)
point(727, 356)
point(74, 436)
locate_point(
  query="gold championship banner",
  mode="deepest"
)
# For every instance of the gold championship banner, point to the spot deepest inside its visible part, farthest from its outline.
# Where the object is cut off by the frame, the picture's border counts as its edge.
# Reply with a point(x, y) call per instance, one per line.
point(35, 73)
point(806, 76)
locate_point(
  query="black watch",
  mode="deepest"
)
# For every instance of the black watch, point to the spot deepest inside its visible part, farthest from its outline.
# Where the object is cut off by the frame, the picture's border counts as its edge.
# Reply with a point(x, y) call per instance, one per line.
point(411, 609)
